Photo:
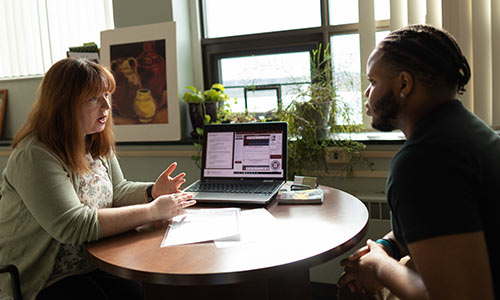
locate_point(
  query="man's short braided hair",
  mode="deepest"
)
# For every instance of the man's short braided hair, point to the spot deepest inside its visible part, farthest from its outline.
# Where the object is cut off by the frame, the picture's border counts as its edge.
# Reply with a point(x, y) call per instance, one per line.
point(430, 54)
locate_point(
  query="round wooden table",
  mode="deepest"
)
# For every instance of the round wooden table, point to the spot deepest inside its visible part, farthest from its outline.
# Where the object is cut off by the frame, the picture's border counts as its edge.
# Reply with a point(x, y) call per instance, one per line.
point(276, 268)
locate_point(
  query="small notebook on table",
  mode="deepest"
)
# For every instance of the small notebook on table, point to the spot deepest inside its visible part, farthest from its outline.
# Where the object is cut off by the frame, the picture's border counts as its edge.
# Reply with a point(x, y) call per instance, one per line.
point(310, 196)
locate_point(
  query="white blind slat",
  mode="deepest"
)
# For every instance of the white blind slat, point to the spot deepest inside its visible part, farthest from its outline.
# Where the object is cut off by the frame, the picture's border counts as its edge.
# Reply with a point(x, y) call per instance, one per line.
point(434, 13)
point(43, 35)
point(482, 57)
point(4, 49)
point(416, 11)
point(366, 39)
point(495, 65)
point(399, 17)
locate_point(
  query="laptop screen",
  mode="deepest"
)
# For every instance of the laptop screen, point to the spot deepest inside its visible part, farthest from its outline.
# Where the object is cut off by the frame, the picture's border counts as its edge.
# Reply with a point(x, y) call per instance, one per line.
point(245, 150)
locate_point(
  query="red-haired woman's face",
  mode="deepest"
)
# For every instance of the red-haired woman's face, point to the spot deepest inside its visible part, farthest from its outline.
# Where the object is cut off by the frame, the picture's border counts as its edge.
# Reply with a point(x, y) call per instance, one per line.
point(94, 114)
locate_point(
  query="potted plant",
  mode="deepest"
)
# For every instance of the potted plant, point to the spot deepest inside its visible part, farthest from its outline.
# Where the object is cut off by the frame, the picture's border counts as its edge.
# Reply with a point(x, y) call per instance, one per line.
point(313, 121)
point(204, 106)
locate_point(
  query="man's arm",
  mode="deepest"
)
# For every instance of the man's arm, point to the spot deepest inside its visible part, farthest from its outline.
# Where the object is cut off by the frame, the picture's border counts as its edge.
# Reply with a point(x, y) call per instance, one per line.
point(449, 267)
point(402, 250)
point(376, 269)
point(350, 276)
point(453, 266)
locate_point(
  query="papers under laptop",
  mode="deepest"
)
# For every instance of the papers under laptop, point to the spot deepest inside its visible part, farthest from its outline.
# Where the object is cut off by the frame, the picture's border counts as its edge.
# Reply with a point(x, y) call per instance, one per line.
point(242, 163)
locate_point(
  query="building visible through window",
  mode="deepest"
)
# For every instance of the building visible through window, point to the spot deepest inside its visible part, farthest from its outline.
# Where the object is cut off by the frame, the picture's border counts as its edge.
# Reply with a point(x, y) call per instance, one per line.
point(261, 50)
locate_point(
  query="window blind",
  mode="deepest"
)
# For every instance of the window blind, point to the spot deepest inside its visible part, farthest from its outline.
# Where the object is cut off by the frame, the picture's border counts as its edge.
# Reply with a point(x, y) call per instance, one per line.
point(37, 33)
point(475, 24)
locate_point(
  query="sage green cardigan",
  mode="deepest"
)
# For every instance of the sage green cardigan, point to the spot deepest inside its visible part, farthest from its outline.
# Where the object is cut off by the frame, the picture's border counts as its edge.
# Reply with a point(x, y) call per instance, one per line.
point(40, 210)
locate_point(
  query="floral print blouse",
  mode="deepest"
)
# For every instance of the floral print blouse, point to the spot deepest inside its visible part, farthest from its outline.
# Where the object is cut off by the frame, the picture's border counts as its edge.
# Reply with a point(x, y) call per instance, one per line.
point(96, 191)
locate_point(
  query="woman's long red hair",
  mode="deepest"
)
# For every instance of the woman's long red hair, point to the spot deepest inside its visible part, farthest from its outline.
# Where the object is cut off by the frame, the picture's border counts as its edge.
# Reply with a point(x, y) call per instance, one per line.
point(55, 116)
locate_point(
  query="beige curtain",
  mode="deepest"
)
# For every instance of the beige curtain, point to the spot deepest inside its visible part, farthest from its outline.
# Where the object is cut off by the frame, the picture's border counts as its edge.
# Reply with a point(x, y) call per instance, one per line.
point(476, 26)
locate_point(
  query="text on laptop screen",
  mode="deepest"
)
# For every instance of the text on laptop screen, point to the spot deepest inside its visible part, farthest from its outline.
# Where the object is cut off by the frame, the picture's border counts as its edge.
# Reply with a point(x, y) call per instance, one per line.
point(244, 154)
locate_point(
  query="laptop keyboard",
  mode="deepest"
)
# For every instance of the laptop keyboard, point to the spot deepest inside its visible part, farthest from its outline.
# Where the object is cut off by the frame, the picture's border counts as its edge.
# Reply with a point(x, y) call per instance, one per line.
point(261, 188)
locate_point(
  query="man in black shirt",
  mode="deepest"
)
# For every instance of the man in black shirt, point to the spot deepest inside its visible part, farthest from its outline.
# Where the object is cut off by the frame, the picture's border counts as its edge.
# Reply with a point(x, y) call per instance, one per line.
point(443, 184)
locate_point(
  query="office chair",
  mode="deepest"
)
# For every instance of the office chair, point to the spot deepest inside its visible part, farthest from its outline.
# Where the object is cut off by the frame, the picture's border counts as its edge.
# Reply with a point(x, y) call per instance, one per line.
point(14, 277)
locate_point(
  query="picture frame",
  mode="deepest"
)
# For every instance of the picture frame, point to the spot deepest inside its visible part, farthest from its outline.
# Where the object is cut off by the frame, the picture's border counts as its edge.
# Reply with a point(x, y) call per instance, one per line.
point(3, 103)
point(143, 60)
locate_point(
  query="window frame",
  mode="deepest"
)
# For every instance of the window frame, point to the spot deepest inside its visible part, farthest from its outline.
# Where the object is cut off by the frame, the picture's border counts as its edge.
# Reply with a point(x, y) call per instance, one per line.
point(214, 49)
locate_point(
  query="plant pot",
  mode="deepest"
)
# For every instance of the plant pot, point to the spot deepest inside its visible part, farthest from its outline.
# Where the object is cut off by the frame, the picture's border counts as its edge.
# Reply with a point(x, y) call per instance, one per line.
point(319, 113)
point(197, 112)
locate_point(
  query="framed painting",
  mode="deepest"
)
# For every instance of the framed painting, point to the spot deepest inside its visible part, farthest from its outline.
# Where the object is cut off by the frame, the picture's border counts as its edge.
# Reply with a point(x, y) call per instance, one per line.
point(143, 60)
point(3, 103)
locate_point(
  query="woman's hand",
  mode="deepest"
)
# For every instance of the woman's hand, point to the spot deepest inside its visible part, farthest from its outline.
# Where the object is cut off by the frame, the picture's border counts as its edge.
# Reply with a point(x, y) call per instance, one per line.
point(169, 206)
point(114, 220)
point(166, 184)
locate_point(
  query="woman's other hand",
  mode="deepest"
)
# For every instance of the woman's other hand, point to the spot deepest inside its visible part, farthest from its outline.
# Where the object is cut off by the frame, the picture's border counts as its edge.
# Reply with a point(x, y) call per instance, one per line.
point(169, 206)
point(165, 184)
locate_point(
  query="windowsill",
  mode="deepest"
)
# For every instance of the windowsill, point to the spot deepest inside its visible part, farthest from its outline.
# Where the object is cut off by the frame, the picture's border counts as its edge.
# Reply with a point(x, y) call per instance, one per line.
point(7, 143)
point(5, 79)
point(375, 137)
point(372, 137)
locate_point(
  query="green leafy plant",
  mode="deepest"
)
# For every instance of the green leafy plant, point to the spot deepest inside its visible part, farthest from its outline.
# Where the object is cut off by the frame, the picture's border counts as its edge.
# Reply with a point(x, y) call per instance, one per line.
point(194, 96)
point(205, 107)
point(215, 93)
point(316, 117)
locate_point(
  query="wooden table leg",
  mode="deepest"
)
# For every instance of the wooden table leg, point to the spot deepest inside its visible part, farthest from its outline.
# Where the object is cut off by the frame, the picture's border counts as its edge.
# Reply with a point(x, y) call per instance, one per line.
point(243, 291)
point(294, 285)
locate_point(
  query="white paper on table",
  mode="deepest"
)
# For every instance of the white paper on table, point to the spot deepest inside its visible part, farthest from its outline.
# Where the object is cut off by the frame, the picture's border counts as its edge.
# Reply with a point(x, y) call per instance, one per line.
point(255, 225)
point(201, 225)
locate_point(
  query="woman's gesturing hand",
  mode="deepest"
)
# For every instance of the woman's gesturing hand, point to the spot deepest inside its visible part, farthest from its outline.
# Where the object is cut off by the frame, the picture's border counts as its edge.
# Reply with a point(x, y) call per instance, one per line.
point(166, 184)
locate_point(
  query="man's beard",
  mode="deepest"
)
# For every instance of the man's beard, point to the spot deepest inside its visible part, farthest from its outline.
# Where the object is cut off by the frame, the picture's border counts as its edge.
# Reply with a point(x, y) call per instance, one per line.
point(385, 112)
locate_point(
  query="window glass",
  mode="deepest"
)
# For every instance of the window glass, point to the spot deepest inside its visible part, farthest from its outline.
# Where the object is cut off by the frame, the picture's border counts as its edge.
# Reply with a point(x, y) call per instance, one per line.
point(380, 35)
point(383, 10)
point(347, 66)
point(230, 17)
point(260, 101)
point(287, 70)
point(343, 12)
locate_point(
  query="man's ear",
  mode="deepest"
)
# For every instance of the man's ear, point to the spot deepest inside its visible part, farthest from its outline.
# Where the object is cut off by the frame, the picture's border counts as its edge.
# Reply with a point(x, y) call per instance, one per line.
point(404, 84)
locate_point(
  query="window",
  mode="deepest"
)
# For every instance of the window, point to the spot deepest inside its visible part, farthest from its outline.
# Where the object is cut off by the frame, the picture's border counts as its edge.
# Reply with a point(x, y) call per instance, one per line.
point(249, 17)
point(262, 82)
point(260, 50)
point(37, 33)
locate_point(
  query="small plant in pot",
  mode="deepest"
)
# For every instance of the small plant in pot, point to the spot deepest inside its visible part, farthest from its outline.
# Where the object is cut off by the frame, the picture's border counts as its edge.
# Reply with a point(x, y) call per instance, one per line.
point(204, 106)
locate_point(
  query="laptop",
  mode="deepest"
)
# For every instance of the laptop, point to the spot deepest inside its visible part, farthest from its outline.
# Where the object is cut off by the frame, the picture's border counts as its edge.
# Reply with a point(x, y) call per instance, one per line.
point(242, 163)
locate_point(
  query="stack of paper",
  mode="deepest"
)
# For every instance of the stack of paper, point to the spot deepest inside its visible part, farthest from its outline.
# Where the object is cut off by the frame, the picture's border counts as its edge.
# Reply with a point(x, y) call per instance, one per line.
point(203, 225)
point(256, 225)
